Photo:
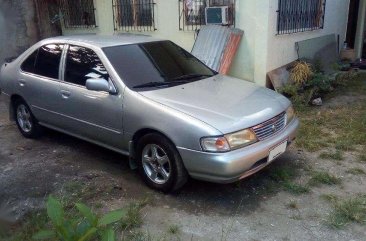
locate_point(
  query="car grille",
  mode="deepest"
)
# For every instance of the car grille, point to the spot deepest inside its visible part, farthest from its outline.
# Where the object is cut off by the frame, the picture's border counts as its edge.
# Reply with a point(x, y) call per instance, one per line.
point(270, 127)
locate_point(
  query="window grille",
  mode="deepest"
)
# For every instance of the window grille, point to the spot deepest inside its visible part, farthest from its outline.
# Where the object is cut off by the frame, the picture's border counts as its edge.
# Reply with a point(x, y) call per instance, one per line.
point(78, 13)
point(192, 14)
point(134, 15)
point(300, 15)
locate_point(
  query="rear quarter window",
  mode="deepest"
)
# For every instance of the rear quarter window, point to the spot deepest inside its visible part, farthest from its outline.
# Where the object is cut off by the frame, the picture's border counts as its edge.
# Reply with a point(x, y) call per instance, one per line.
point(29, 63)
point(45, 61)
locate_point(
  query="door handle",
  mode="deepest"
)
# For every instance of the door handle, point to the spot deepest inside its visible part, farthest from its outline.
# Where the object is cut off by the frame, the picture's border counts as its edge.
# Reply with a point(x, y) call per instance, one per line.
point(22, 83)
point(65, 94)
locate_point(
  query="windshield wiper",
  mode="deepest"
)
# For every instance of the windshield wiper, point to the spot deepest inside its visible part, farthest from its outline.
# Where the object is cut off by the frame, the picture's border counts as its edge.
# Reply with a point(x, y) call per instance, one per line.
point(160, 84)
point(191, 76)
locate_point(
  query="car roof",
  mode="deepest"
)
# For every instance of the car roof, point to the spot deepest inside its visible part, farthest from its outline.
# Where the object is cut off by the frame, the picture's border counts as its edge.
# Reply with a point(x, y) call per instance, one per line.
point(105, 40)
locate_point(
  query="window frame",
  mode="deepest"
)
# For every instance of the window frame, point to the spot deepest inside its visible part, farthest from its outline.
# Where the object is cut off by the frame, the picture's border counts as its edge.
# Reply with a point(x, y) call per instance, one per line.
point(305, 20)
point(134, 27)
point(64, 66)
point(36, 48)
point(67, 16)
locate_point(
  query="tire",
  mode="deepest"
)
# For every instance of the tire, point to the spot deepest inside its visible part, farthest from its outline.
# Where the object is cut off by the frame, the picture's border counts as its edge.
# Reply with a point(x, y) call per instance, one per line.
point(26, 122)
point(164, 170)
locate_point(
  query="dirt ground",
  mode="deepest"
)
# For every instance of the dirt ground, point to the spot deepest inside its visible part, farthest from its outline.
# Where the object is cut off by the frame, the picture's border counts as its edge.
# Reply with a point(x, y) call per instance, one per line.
point(253, 209)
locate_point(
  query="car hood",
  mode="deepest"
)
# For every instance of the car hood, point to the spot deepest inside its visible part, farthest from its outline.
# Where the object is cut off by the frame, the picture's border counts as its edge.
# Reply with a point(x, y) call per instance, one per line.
point(228, 104)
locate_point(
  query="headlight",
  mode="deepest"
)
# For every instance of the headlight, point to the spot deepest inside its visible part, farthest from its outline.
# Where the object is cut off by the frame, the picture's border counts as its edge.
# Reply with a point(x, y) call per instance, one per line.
point(215, 144)
point(229, 141)
point(290, 114)
point(241, 138)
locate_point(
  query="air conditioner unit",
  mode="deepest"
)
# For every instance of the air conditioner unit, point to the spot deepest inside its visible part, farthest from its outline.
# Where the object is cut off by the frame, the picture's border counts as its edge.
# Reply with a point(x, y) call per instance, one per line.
point(217, 15)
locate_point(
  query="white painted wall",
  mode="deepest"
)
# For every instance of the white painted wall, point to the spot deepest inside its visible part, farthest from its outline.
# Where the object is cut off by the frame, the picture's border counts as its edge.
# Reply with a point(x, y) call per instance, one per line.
point(281, 48)
point(261, 50)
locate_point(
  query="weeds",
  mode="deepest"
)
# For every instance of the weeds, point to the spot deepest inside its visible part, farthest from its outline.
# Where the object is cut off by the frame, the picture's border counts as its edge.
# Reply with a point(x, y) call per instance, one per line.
point(292, 205)
point(284, 176)
point(362, 158)
point(356, 171)
point(133, 217)
point(329, 197)
point(321, 177)
point(173, 229)
point(295, 188)
point(332, 156)
point(350, 210)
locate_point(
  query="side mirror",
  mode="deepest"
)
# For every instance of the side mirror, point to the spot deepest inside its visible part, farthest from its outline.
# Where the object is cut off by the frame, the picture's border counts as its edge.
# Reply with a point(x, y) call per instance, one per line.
point(100, 85)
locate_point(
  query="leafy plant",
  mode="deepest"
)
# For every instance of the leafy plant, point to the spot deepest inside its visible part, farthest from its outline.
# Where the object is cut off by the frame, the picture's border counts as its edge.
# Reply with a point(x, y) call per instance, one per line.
point(320, 82)
point(301, 72)
point(83, 228)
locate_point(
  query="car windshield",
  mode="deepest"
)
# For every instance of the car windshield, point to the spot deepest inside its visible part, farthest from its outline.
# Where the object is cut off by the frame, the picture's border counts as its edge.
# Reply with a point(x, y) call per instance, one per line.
point(156, 65)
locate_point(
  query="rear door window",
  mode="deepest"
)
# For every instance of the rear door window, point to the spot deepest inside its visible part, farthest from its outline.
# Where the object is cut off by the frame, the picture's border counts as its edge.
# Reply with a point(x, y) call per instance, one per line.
point(45, 61)
point(82, 64)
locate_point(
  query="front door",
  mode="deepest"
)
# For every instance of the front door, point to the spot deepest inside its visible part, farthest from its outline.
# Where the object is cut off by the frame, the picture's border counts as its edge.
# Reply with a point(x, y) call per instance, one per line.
point(89, 114)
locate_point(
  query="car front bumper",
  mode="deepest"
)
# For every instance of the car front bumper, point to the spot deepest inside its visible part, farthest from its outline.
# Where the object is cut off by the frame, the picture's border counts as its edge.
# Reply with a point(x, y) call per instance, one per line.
point(234, 165)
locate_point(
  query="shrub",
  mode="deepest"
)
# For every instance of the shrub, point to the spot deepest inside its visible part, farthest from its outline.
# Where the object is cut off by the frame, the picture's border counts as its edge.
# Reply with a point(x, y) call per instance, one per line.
point(301, 72)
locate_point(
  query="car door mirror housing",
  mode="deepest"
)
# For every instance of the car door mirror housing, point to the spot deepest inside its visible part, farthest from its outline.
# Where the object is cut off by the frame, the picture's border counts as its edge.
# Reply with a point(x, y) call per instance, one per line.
point(100, 85)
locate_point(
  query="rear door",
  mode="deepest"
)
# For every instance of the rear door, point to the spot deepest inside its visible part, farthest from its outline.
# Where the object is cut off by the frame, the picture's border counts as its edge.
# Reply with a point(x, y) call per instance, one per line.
point(91, 114)
point(38, 82)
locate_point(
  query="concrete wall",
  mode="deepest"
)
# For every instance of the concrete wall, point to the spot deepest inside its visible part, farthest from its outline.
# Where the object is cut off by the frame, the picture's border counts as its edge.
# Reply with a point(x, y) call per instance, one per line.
point(281, 48)
point(18, 28)
point(261, 50)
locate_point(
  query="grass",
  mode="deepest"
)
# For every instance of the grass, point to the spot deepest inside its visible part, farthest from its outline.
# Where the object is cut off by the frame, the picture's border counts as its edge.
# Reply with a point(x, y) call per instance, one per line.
point(332, 156)
point(295, 188)
point(329, 197)
point(342, 127)
point(348, 211)
point(322, 177)
point(284, 176)
point(32, 223)
point(356, 171)
point(133, 218)
point(173, 229)
point(292, 205)
point(362, 158)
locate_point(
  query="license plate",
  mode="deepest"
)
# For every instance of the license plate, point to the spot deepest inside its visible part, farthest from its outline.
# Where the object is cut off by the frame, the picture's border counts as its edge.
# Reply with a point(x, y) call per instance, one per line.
point(277, 151)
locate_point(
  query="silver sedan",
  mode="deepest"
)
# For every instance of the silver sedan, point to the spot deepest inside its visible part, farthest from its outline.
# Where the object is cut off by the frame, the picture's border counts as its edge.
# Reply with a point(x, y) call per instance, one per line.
point(151, 100)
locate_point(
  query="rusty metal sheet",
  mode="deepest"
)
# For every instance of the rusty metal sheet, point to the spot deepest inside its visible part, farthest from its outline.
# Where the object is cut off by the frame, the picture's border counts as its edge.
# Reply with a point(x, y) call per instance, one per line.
point(210, 45)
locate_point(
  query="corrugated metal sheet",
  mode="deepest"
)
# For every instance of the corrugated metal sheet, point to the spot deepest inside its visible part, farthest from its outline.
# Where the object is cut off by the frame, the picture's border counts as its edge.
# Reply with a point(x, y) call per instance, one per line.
point(217, 43)
point(230, 51)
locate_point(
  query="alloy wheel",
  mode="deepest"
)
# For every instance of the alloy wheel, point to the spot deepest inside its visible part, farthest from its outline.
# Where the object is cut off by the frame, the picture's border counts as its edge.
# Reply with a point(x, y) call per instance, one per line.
point(156, 163)
point(24, 118)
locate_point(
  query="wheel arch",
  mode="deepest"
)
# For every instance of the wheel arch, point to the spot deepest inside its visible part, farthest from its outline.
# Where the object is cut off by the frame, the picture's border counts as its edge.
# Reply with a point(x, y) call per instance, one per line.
point(13, 99)
point(143, 132)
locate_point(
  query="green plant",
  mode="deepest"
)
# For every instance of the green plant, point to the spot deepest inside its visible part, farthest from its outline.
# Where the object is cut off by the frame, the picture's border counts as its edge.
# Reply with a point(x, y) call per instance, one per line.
point(332, 156)
point(321, 177)
point(350, 210)
point(173, 229)
point(292, 205)
point(301, 72)
point(289, 90)
point(356, 171)
point(83, 228)
point(320, 82)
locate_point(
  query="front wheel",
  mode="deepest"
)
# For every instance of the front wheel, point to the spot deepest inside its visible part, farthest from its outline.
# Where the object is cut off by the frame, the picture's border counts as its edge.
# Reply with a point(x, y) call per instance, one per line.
point(160, 164)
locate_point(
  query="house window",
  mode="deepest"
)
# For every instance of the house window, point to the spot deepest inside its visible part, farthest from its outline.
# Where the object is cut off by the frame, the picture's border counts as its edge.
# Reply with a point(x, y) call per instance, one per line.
point(133, 15)
point(300, 15)
point(78, 13)
point(192, 13)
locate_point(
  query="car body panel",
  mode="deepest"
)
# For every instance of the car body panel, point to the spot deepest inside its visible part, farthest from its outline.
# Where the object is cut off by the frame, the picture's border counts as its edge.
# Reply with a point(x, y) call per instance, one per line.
point(227, 103)
point(184, 114)
point(232, 166)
